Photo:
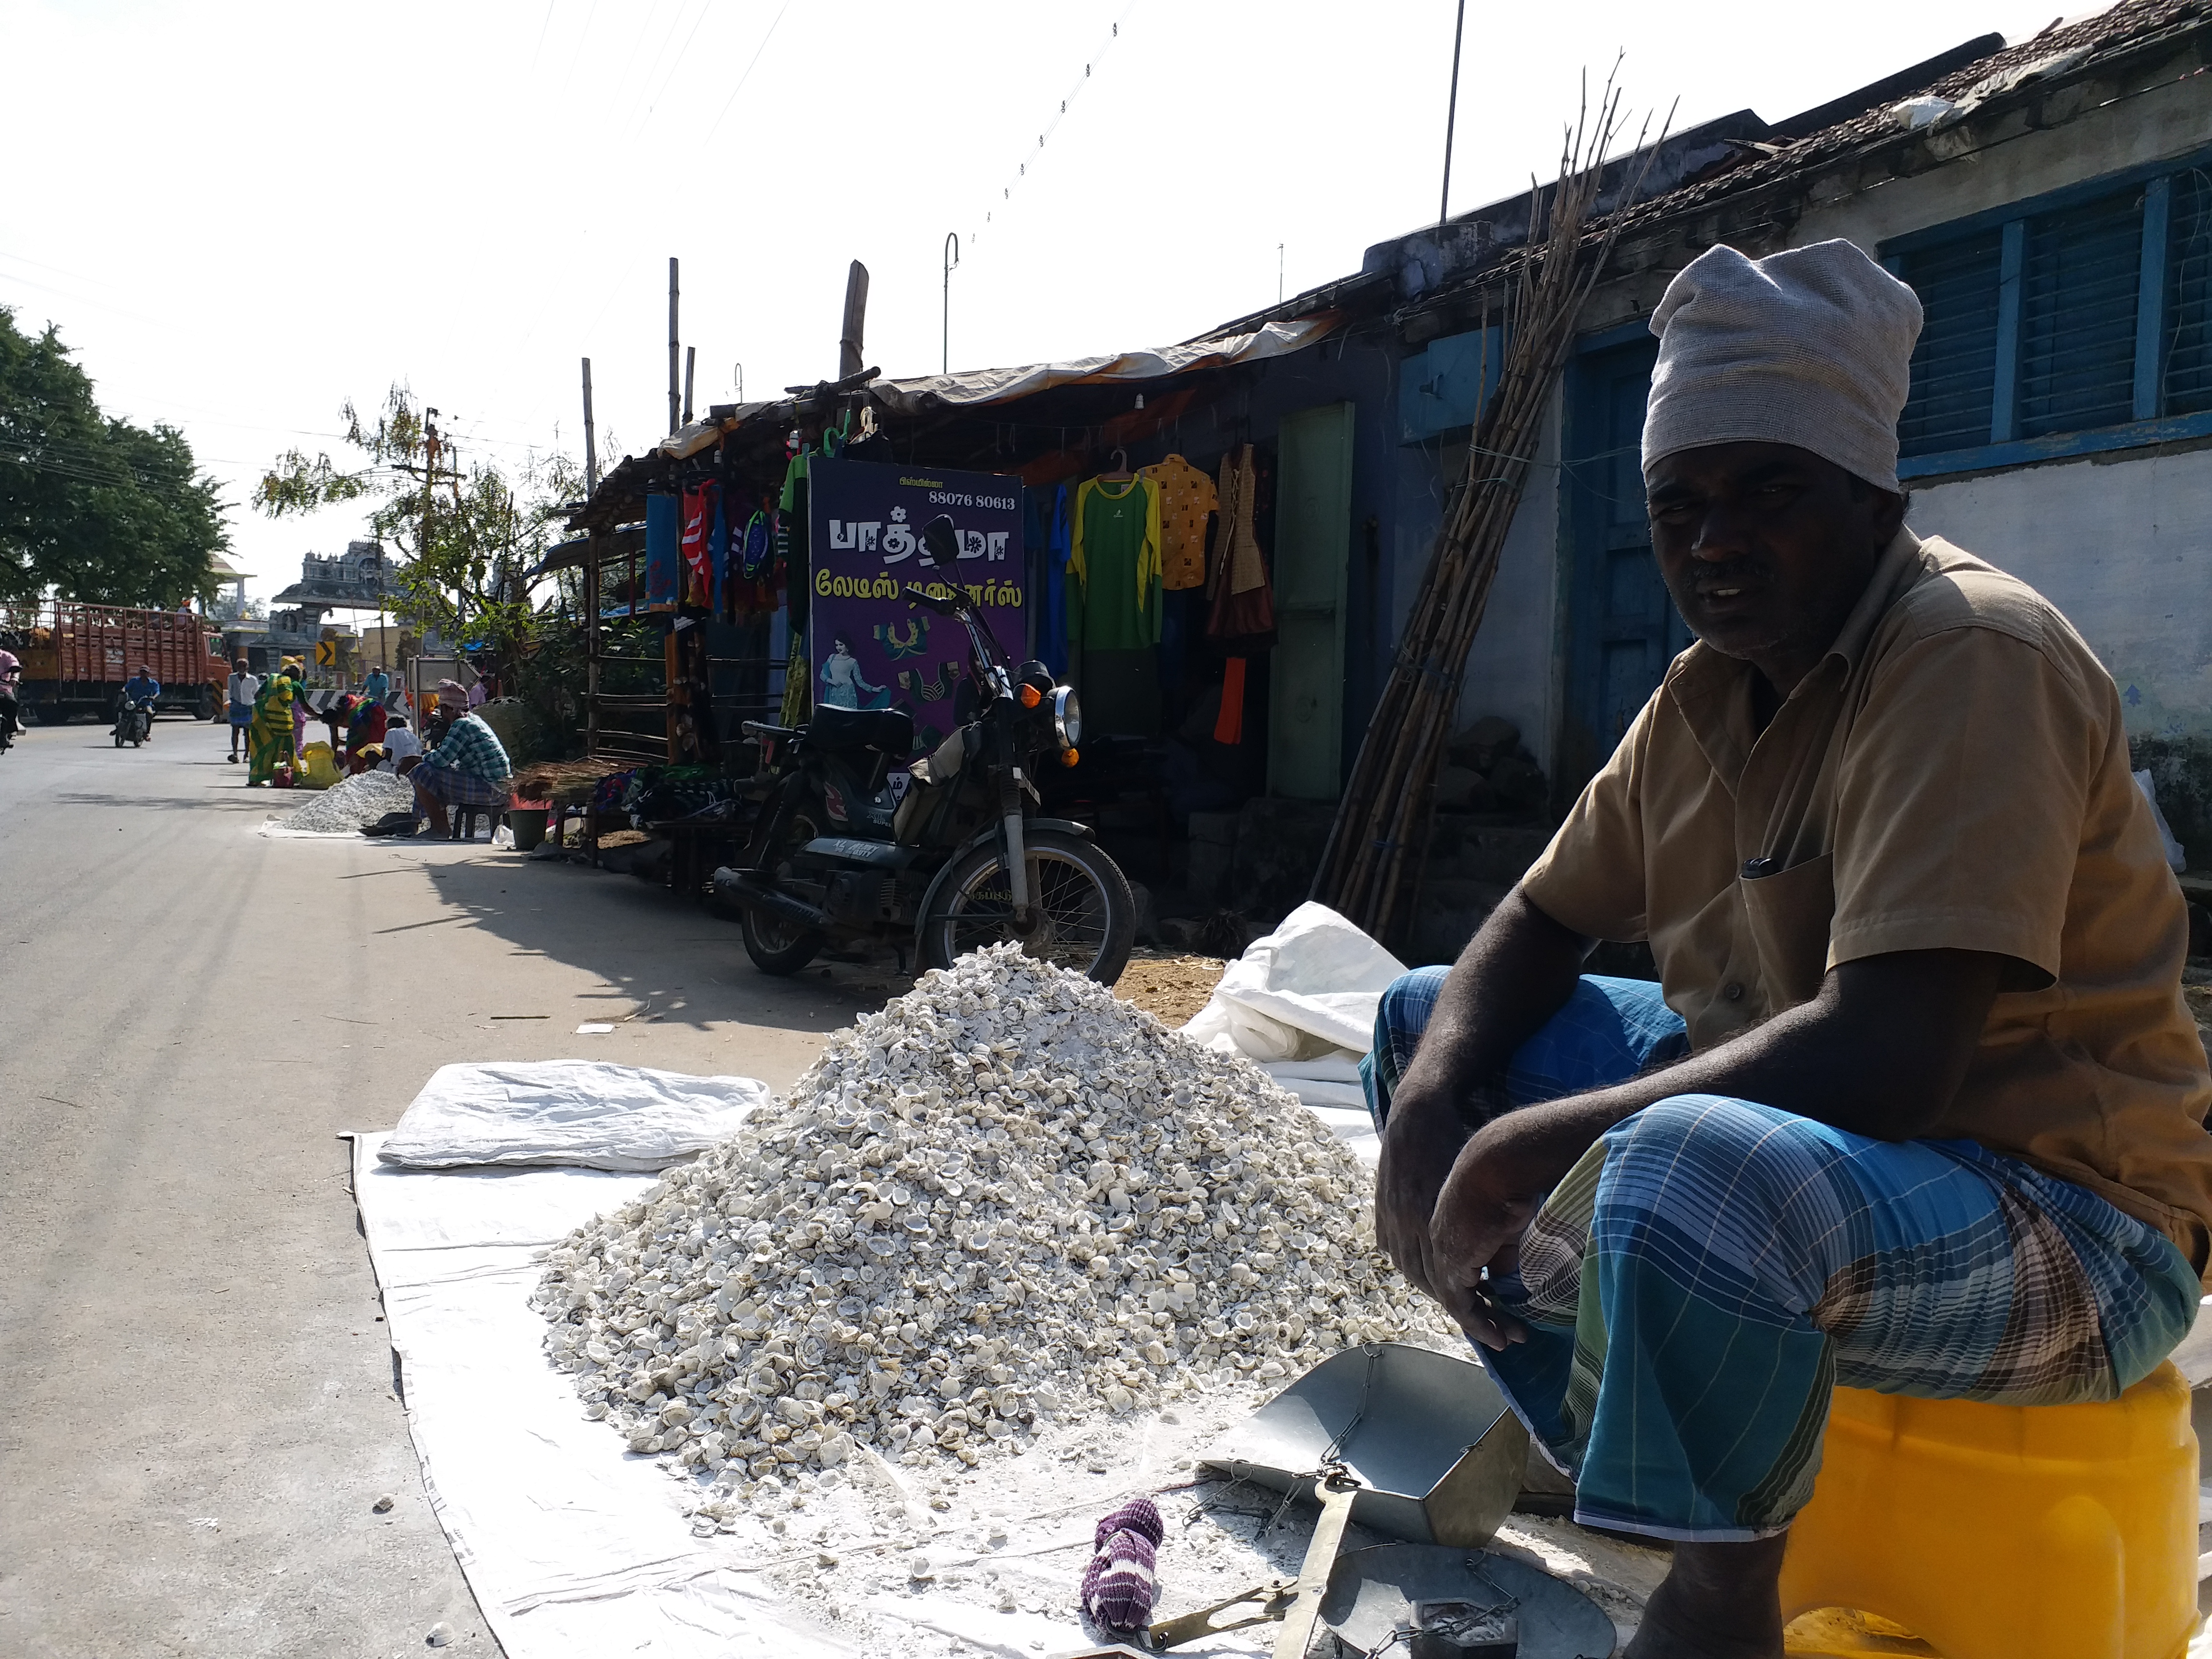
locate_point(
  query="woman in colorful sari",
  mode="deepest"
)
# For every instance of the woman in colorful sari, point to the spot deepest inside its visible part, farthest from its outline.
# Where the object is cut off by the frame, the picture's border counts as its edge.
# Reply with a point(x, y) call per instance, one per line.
point(365, 723)
point(269, 736)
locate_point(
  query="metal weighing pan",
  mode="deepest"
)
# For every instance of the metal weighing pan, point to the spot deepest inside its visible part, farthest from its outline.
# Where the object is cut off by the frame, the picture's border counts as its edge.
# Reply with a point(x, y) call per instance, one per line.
point(1373, 1593)
point(1438, 1453)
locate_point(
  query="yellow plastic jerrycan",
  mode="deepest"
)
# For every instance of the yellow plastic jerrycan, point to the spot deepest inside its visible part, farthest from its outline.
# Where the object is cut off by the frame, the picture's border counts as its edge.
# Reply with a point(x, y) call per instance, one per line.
point(319, 767)
point(2001, 1532)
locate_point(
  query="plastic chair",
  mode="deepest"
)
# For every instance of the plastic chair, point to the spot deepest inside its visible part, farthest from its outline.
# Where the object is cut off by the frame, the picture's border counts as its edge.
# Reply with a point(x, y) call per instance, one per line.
point(466, 818)
point(2004, 1532)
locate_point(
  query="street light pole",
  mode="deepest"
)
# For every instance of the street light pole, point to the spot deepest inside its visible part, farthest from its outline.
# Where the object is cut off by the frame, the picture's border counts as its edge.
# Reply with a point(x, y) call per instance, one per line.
point(951, 261)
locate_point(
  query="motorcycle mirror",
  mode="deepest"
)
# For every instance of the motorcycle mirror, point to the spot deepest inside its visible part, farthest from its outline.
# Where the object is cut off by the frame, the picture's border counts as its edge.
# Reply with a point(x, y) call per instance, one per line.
point(940, 542)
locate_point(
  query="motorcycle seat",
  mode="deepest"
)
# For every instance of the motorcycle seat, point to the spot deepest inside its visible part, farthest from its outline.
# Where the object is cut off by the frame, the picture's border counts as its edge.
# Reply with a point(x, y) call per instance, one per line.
point(839, 731)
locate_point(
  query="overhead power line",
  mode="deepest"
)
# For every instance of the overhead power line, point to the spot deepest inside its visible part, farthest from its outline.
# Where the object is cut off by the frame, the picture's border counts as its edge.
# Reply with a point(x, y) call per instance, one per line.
point(1022, 168)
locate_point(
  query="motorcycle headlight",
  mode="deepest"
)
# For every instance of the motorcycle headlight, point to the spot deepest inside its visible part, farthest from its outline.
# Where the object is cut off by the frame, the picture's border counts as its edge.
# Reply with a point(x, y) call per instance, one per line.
point(1067, 718)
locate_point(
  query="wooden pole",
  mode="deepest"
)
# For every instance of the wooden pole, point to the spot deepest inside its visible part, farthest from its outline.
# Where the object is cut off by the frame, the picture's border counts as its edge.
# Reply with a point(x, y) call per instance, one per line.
point(591, 551)
point(690, 362)
point(591, 439)
point(851, 337)
point(672, 344)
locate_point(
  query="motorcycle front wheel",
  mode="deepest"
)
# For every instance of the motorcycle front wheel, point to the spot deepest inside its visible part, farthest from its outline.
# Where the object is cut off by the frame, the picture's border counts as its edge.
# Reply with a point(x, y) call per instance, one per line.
point(777, 946)
point(1086, 919)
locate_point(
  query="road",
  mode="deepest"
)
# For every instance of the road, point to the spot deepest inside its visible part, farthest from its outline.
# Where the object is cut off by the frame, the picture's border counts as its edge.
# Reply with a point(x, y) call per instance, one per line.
point(202, 1404)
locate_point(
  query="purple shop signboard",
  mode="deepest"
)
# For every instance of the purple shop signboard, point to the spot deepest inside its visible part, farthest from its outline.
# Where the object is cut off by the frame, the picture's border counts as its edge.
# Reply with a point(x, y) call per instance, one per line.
point(871, 648)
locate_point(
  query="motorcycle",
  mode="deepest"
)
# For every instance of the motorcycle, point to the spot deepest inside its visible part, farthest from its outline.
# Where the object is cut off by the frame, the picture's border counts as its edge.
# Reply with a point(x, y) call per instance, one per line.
point(951, 853)
point(10, 714)
point(134, 721)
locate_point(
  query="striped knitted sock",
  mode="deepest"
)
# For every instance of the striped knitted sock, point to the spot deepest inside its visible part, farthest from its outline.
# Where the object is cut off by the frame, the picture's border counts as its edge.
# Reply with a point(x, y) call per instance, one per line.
point(1118, 1587)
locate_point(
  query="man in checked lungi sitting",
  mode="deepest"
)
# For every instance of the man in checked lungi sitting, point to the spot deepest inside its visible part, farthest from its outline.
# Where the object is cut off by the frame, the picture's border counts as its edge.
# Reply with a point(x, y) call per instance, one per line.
point(1916, 1105)
point(469, 767)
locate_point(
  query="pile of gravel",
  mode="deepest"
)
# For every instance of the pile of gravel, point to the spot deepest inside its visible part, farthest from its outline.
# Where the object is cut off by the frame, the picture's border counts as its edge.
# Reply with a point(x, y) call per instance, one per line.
point(352, 803)
point(1007, 1200)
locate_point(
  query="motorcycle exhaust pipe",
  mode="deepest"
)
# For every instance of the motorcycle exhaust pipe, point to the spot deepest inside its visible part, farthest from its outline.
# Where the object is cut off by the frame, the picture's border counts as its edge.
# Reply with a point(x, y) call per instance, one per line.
point(749, 892)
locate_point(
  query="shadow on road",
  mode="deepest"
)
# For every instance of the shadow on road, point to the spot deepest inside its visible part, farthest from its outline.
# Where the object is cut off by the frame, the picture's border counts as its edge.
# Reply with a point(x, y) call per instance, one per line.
point(661, 957)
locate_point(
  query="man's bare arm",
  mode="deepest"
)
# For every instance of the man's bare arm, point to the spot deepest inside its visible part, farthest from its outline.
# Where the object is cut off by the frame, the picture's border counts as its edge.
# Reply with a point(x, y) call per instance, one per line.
point(1880, 1051)
point(1517, 972)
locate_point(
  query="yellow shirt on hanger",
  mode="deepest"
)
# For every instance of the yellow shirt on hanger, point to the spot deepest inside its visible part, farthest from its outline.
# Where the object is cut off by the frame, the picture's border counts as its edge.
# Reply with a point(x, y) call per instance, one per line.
point(1187, 500)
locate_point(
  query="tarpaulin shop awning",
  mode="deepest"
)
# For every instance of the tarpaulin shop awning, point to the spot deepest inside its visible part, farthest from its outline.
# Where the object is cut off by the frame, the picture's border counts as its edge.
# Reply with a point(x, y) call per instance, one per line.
point(980, 387)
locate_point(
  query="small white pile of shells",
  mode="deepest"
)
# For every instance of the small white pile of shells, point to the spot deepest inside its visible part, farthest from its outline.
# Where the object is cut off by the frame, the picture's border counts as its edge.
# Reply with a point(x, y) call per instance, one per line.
point(1006, 1200)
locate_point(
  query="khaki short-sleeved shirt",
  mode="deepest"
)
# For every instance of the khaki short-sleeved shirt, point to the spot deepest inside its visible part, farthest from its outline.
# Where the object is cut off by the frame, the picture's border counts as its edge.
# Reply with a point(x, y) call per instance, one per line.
point(1953, 775)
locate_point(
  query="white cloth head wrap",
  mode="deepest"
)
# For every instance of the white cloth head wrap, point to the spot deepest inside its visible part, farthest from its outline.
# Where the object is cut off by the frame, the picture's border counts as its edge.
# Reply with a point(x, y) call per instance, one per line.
point(1812, 346)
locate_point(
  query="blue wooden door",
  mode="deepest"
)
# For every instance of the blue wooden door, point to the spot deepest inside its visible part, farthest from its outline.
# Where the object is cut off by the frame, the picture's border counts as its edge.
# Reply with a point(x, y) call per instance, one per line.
point(1622, 626)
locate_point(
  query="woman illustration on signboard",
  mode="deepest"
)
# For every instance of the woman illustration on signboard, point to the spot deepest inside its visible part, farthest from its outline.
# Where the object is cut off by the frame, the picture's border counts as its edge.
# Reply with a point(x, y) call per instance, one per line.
point(843, 685)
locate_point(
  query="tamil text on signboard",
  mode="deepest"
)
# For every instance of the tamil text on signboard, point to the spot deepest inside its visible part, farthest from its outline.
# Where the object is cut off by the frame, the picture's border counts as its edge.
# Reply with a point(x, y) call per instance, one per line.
point(870, 647)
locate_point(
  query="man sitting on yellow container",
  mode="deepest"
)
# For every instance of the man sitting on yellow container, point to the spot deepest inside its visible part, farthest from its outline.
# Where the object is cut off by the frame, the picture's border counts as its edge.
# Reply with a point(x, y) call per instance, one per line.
point(1916, 1105)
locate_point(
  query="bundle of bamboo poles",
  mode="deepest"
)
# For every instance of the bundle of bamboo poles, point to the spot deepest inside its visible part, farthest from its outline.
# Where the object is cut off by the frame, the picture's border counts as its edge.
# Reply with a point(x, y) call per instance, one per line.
point(1388, 805)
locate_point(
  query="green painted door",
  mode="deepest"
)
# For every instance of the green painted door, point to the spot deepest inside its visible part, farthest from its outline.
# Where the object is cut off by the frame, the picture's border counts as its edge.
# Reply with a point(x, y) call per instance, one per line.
point(1313, 548)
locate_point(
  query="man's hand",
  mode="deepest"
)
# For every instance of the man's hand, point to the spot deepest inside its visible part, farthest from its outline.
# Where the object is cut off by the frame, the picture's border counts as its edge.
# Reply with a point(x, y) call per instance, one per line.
point(1515, 973)
point(1422, 1138)
point(1486, 1205)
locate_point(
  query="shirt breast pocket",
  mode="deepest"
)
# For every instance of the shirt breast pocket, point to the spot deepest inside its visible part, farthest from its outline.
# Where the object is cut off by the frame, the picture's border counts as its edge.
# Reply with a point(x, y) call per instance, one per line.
point(1789, 914)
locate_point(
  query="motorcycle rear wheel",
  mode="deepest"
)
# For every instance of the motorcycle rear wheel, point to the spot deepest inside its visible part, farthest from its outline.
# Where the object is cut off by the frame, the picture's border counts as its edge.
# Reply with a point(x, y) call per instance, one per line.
point(776, 946)
point(1087, 920)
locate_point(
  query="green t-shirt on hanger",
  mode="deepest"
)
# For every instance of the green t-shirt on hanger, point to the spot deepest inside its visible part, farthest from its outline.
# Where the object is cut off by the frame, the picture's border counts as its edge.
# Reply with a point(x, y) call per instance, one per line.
point(1113, 567)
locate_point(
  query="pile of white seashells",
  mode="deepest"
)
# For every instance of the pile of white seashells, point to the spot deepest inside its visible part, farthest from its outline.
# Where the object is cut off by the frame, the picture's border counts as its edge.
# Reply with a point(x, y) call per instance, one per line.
point(1005, 1201)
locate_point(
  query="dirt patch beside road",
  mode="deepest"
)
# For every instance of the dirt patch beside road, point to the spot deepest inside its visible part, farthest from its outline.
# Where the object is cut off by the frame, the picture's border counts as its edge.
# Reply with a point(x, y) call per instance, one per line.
point(1170, 987)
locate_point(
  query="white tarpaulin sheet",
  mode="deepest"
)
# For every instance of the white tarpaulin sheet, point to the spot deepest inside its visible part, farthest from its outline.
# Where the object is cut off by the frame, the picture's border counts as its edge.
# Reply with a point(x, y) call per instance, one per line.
point(1301, 1003)
point(575, 1549)
point(572, 1112)
point(571, 1547)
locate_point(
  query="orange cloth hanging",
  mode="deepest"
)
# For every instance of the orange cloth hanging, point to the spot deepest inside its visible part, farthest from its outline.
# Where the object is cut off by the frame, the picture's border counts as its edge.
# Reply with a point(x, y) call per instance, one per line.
point(1229, 724)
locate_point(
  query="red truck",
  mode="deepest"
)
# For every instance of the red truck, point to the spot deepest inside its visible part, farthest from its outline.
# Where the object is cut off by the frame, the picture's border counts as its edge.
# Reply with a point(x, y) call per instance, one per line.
point(76, 658)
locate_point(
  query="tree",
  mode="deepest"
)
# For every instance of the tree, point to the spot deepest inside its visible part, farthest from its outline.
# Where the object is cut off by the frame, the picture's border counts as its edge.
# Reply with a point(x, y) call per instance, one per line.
point(470, 537)
point(93, 507)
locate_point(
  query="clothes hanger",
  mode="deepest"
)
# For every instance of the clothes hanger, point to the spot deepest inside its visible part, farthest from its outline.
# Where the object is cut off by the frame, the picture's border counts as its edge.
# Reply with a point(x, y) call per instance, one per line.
point(1120, 472)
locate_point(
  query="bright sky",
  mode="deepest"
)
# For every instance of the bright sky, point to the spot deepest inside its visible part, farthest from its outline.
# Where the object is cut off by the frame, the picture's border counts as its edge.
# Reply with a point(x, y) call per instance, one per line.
point(242, 214)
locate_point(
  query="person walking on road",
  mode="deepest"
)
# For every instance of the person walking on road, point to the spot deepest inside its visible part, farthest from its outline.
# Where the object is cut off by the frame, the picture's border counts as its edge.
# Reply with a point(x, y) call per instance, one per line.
point(269, 736)
point(245, 687)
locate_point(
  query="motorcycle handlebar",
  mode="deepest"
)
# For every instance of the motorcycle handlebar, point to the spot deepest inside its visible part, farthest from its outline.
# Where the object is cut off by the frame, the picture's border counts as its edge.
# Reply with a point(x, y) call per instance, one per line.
point(922, 597)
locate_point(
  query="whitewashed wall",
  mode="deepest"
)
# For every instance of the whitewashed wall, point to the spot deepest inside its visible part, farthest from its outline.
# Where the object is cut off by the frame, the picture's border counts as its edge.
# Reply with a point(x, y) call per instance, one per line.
point(2123, 547)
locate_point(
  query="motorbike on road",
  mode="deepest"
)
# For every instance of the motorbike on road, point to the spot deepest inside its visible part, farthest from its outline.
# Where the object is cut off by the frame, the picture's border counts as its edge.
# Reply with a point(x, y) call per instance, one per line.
point(950, 853)
point(134, 721)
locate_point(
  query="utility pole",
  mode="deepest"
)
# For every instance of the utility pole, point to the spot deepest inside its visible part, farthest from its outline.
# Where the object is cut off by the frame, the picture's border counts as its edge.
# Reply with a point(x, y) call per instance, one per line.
point(850, 338)
point(590, 440)
point(1451, 117)
point(672, 344)
point(429, 480)
point(952, 262)
point(690, 362)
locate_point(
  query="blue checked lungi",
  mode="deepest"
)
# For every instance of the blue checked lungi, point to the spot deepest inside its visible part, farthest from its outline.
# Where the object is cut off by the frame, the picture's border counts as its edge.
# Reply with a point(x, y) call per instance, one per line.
point(1698, 1282)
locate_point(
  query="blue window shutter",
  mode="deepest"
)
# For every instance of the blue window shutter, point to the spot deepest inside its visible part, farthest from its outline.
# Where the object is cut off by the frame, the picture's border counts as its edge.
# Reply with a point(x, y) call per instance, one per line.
point(2186, 343)
point(1416, 399)
point(1954, 364)
point(2150, 295)
point(2080, 284)
point(1443, 388)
